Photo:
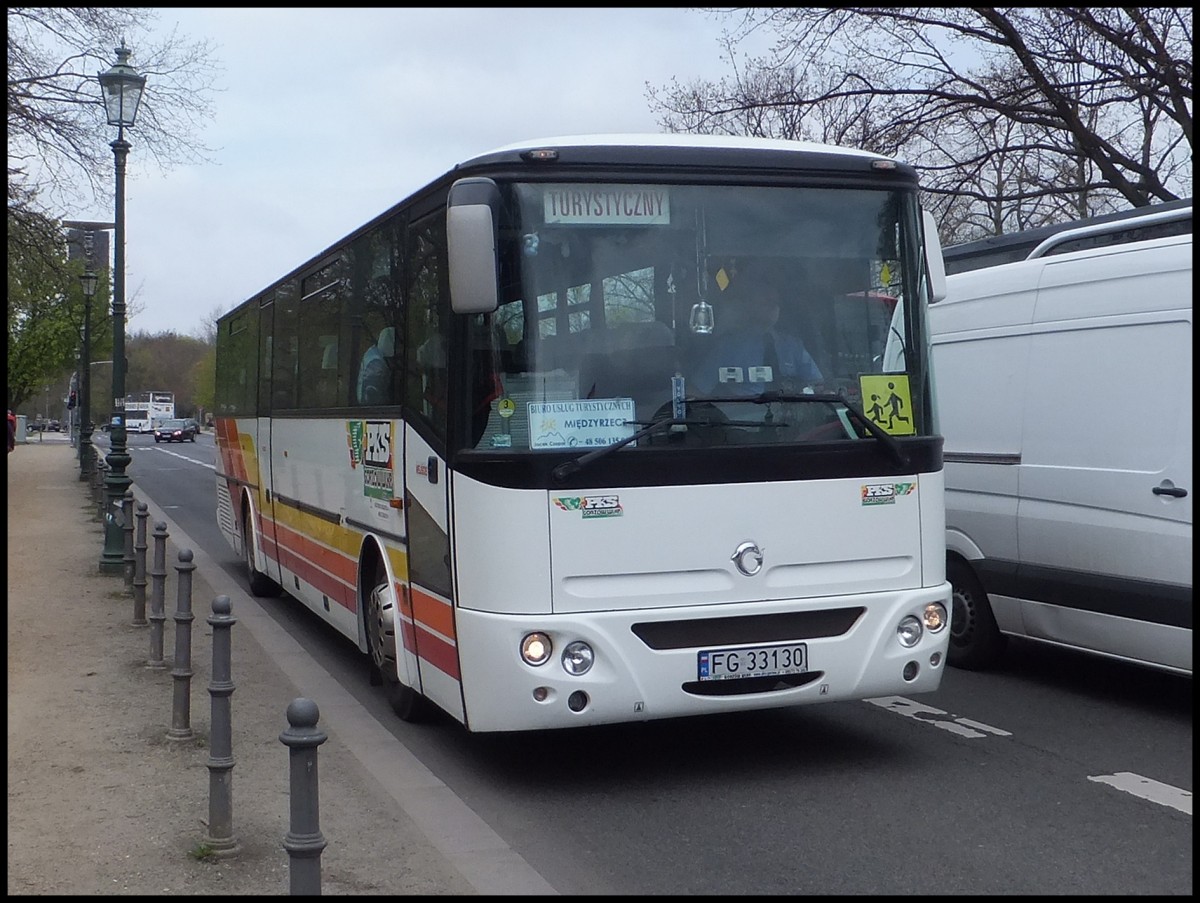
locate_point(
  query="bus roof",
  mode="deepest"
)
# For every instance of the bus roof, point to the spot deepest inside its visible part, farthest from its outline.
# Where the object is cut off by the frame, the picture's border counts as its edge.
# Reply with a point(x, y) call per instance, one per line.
point(670, 149)
point(671, 139)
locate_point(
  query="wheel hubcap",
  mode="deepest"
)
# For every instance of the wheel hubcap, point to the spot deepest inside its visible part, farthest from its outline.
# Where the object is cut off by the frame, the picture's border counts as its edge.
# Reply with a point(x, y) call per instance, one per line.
point(381, 622)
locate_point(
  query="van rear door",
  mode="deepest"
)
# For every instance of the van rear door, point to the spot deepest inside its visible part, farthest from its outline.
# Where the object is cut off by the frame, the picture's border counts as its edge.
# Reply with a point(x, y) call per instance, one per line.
point(1107, 436)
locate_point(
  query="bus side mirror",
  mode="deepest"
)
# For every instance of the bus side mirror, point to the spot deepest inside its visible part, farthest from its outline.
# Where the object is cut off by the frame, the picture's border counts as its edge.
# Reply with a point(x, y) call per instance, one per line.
point(472, 212)
point(935, 263)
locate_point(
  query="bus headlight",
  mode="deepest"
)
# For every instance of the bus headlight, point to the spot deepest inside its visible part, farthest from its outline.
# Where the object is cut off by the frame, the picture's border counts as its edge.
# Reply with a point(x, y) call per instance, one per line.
point(934, 616)
point(577, 658)
point(908, 631)
point(536, 649)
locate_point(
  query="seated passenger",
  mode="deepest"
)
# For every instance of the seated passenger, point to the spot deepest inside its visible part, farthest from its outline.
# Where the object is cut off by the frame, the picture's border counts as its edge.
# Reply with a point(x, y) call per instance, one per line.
point(751, 356)
point(375, 370)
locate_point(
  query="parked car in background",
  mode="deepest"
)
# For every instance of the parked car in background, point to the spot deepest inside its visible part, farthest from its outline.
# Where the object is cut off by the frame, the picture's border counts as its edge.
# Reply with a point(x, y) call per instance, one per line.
point(175, 431)
point(54, 426)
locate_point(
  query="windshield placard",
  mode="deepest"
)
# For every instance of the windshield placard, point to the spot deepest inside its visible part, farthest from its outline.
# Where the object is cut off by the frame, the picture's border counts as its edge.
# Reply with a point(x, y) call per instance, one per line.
point(607, 205)
point(585, 423)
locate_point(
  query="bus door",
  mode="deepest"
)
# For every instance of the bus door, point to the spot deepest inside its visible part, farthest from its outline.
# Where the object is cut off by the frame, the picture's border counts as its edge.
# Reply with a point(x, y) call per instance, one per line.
point(428, 614)
point(430, 645)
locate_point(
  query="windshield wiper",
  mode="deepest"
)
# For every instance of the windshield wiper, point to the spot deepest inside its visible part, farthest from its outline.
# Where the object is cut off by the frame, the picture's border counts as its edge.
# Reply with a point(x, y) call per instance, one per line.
point(564, 470)
point(888, 441)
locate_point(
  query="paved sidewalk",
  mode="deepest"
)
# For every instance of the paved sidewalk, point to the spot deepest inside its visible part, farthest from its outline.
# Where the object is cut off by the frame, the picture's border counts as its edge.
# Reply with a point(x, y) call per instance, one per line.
point(99, 801)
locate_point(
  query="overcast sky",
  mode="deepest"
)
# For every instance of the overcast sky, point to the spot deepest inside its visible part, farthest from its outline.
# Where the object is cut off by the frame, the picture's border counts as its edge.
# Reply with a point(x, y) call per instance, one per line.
point(325, 118)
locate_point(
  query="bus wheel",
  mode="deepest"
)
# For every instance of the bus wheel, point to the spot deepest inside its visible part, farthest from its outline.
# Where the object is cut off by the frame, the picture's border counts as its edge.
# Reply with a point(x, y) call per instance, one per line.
point(260, 583)
point(381, 624)
point(975, 640)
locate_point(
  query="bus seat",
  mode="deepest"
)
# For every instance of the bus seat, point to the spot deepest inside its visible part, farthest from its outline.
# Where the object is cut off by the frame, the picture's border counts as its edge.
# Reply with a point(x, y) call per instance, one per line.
point(635, 360)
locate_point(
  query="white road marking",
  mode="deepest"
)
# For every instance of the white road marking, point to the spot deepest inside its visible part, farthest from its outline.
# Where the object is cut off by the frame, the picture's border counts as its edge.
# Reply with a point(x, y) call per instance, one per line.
point(167, 451)
point(1126, 781)
point(1147, 789)
point(963, 727)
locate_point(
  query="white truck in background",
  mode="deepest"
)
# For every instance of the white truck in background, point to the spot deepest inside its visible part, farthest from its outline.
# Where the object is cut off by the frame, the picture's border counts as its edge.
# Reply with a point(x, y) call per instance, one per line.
point(1064, 392)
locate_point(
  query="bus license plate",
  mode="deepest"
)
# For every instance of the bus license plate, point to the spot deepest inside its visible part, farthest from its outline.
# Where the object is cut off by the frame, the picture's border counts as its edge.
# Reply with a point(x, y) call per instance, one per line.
point(753, 661)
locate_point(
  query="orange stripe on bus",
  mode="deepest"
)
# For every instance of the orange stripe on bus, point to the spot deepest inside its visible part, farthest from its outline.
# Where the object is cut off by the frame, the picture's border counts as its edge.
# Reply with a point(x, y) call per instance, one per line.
point(433, 612)
point(405, 602)
point(335, 562)
point(319, 570)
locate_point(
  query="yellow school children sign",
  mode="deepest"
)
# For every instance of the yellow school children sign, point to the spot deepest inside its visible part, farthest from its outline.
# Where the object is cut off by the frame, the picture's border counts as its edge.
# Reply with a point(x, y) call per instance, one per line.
point(888, 402)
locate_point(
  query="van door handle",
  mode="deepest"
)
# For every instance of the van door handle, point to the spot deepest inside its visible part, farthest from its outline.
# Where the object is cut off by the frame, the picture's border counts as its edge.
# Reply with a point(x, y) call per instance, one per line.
point(431, 464)
point(1166, 487)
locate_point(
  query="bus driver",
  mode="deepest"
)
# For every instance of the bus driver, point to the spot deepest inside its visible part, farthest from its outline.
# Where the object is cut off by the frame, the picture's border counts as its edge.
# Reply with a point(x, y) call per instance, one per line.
point(752, 354)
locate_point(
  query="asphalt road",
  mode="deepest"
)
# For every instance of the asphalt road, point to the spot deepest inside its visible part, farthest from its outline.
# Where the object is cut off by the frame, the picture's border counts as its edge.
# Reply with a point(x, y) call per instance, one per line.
point(1056, 774)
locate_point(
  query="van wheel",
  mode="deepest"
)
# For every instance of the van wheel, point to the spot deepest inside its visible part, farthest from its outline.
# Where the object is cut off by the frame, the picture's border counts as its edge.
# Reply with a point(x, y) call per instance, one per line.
point(379, 611)
point(260, 583)
point(975, 640)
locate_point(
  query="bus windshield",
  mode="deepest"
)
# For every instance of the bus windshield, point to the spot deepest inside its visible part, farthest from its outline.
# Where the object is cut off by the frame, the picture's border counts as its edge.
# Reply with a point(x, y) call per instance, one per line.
point(713, 306)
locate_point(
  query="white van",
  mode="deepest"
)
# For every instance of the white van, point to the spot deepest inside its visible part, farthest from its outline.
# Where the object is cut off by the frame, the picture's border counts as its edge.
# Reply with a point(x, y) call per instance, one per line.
point(1064, 390)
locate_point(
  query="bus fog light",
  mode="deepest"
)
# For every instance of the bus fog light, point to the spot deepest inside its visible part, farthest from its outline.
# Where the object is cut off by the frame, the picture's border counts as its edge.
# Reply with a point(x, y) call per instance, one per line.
point(577, 701)
point(908, 631)
point(577, 658)
point(934, 616)
point(536, 649)
point(911, 670)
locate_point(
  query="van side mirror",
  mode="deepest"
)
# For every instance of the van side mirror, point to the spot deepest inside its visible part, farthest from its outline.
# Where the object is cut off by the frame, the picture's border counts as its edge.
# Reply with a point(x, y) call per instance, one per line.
point(934, 261)
point(472, 214)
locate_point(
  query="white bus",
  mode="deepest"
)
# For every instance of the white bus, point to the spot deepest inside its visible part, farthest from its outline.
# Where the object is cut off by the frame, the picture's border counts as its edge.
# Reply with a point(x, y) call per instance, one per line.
point(492, 438)
point(146, 410)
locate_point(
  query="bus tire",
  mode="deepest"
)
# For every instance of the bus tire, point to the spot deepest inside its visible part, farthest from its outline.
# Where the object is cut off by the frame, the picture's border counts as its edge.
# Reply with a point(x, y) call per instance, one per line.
point(260, 583)
point(975, 641)
point(379, 611)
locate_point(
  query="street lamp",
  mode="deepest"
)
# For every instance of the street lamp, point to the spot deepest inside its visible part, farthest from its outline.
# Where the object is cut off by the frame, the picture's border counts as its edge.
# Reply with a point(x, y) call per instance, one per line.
point(121, 87)
point(88, 280)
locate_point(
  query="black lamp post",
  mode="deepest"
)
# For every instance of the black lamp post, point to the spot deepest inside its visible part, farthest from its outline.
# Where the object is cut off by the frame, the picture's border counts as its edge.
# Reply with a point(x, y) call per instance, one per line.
point(88, 280)
point(121, 87)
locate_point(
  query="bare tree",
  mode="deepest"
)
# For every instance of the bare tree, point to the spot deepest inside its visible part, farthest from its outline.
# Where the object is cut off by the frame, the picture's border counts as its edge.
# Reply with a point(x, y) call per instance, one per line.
point(1016, 117)
point(57, 148)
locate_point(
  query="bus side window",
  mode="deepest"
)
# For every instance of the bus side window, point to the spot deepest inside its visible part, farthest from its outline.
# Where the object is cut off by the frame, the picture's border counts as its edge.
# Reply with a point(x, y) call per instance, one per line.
point(373, 327)
point(428, 325)
point(284, 360)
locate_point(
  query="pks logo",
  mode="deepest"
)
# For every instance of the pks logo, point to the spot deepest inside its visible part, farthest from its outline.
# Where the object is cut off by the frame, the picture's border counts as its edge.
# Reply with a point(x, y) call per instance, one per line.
point(885, 493)
point(371, 444)
point(592, 505)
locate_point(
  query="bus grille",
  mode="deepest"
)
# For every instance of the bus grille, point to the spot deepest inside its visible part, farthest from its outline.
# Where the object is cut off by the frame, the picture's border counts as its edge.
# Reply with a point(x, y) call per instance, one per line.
point(772, 628)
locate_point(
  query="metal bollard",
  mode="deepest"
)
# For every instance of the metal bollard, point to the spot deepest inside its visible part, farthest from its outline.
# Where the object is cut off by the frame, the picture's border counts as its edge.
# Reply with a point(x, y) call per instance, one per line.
point(181, 708)
point(158, 579)
point(101, 470)
point(220, 838)
point(139, 567)
point(304, 841)
point(101, 497)
point(127, 559)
